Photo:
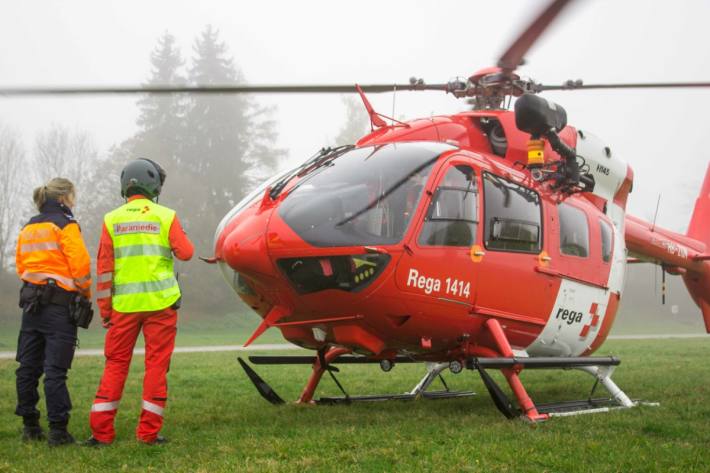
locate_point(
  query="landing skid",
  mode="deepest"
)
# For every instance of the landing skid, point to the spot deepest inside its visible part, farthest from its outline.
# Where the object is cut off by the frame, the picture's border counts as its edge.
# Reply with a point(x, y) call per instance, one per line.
point(601, 368)
point(583, 406)
point(433, 395)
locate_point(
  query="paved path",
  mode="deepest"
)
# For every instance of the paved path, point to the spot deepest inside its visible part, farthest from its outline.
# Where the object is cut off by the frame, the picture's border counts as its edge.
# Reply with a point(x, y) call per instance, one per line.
point(5, 355)
point(659, 336)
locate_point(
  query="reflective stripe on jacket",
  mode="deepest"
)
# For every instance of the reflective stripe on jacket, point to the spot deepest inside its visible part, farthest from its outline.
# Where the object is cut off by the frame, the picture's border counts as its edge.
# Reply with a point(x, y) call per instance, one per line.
point(143, 278)
point(50, 246)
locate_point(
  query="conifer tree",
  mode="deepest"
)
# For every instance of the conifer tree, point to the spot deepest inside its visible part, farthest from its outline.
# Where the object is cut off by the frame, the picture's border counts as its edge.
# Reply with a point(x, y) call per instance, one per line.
point(231, 139)
point(162, 117)
point(215, 148)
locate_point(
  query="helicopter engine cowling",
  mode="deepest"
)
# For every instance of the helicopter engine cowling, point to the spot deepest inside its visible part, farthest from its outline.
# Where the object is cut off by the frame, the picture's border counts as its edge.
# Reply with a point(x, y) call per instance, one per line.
point(538, 116)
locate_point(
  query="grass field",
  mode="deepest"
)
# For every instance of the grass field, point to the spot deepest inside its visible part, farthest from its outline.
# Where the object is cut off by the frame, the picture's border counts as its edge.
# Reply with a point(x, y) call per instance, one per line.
point(230, 329)
point(217, 422)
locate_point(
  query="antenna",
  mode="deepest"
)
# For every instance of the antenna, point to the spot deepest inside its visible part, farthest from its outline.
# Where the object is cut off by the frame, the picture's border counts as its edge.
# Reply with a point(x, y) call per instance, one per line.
point(663, 285)
point(394, 101)
point(663, 268)
point(658, 204)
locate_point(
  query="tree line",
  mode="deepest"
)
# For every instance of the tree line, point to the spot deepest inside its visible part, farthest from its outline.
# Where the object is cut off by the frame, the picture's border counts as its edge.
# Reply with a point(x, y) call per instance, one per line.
point(214, 149)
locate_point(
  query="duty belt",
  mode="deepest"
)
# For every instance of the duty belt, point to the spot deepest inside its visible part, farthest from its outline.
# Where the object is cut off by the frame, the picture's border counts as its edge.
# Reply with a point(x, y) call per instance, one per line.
point(50, 293)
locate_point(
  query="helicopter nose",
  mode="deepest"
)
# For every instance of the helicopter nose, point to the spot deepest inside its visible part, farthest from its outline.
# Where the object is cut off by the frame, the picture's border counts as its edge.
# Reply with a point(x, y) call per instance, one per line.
point(244, 248)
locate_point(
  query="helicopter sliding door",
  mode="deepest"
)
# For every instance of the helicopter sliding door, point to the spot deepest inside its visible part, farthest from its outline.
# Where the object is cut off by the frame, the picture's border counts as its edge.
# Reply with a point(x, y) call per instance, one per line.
point(509, 286)
point(436, 270)
point(581, 251)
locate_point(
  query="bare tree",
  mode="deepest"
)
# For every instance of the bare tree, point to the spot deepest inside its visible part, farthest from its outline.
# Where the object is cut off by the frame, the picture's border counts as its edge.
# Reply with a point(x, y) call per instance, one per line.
point(62, 153)
point(13, 192)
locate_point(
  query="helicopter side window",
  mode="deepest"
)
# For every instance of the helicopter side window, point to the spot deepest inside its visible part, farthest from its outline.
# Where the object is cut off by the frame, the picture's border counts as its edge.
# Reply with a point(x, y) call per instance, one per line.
point(452, 217)
point(513, 219)
point(606, 240)
point(574, 231)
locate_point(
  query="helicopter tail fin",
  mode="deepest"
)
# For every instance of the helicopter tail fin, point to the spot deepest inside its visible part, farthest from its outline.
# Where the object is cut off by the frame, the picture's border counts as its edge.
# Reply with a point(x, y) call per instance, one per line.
point(699, 229)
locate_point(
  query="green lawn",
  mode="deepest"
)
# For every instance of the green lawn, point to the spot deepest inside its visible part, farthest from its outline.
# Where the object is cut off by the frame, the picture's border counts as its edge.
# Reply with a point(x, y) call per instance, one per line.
point(230, 329)
point(217, 422)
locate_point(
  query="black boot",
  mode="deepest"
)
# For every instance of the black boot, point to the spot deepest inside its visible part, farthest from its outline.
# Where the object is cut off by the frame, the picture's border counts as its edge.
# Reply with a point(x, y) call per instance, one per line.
point(92, 442)
point(159, 440)
point(58, 435)
point(31, 430)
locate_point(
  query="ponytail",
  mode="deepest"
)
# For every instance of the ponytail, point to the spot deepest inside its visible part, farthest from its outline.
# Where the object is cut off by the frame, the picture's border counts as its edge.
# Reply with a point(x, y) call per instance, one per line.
point(55, 189)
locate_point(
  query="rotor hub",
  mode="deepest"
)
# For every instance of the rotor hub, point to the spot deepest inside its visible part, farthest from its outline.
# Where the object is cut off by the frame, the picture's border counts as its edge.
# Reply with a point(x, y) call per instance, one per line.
point(490, 88)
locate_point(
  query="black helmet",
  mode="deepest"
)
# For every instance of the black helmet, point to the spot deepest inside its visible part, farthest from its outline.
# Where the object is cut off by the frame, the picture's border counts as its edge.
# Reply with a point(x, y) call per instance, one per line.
point(142, 176)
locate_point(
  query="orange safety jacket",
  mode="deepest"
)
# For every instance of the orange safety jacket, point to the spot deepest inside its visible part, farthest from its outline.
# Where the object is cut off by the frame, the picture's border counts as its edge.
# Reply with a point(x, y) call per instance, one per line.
point(50, 246)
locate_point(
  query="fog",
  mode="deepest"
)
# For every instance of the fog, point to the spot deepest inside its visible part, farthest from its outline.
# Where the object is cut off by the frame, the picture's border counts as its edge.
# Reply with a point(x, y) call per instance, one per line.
point(660, 133)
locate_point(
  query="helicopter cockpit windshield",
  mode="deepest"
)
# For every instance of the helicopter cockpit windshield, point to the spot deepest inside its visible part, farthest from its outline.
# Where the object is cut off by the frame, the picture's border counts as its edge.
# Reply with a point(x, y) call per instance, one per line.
point(366, 196)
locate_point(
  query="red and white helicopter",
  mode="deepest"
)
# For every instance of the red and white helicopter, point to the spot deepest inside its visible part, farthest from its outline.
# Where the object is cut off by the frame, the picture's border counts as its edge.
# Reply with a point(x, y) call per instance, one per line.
point(488, 239)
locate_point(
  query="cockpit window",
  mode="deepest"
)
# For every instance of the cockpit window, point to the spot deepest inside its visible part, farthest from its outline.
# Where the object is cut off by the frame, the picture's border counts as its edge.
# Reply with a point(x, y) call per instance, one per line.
point(452, 217)
point(366, 196)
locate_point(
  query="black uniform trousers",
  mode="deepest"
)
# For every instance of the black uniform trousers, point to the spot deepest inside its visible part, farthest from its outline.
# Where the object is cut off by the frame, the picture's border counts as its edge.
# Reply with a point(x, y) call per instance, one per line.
point(46, 345)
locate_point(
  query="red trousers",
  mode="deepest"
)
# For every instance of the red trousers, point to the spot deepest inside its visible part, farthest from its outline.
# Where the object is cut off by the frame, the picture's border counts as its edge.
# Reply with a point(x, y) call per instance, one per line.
point(159, 329)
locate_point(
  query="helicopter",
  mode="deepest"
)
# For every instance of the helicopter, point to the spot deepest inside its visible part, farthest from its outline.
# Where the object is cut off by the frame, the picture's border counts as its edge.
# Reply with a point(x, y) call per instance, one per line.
point(491, 239)
point(488, 239)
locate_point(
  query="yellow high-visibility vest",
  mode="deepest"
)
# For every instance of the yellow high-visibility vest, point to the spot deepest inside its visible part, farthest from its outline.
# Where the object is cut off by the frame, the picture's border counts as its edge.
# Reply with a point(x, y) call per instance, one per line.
point(143, 276)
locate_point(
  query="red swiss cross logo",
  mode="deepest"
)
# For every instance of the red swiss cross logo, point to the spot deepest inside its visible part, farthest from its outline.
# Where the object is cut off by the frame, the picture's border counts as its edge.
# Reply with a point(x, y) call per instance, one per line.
point(593, 325)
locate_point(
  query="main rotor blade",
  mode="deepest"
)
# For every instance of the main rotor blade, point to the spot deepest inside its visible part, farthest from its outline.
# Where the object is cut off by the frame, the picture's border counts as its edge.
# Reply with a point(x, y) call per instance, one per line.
point(213, 89)
point(513, 57)
point(651, 85)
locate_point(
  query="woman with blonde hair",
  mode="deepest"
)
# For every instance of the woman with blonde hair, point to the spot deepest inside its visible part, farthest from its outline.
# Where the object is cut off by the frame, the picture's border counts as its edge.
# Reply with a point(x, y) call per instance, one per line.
point(54, 265)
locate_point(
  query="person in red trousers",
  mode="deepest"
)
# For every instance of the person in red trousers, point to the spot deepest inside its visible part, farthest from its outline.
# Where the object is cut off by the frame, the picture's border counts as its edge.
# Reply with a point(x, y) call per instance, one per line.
point(137, 291)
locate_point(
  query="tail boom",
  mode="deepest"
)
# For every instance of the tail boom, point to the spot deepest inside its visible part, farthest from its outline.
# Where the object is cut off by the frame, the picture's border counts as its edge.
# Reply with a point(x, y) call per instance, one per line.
point(687, 255)
point(665, 247)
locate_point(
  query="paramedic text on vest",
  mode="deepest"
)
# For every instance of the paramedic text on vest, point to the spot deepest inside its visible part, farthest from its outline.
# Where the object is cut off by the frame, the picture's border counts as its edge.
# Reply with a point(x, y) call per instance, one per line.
point(137, 290)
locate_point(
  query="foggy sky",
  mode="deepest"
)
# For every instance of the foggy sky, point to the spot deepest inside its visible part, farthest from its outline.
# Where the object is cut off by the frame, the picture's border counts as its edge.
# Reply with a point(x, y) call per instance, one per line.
point(661, 134)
